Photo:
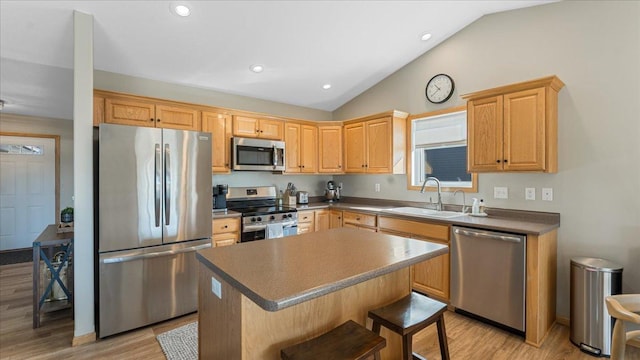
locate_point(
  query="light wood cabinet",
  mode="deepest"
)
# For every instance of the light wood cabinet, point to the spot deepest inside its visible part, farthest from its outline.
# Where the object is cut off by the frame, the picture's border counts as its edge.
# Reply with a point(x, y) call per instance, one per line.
point(322, 219)
point(306, 222)
point(376, 144)
point(302, 148)
point(335, 219)
point(225, 231)
point(219, 125)
point(132, 110)
point(360, 220)
point(330, 149)
point(432, 276)
point(254, 127)
point(514, 127)
point(98, 110)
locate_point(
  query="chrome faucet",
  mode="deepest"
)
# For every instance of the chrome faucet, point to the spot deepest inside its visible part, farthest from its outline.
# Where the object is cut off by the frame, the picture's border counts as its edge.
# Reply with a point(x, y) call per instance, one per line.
point(424, 184)
point(464, 201)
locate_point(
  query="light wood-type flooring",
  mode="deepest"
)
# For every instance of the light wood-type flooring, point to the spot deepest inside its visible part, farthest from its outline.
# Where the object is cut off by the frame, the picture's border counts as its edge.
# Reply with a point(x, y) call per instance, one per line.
point(468, 338)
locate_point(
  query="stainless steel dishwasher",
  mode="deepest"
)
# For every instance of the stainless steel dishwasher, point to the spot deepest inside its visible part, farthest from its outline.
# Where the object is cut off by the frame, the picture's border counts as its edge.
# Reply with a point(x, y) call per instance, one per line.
point(488, 275)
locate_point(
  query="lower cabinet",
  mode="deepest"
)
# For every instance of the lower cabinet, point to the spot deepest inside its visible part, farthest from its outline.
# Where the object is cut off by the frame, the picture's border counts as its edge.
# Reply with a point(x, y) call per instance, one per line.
point(322, 219)
point(225, 231)
point(306, 221)
point(432, 276)
point(359, 220)
point(335, 219)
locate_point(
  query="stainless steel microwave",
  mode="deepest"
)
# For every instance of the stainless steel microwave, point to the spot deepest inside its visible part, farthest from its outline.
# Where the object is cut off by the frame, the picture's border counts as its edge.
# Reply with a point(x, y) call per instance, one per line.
point(257, 154)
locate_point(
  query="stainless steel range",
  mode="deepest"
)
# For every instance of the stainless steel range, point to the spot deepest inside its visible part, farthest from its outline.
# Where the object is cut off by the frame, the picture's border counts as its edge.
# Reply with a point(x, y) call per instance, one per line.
point(262, 217)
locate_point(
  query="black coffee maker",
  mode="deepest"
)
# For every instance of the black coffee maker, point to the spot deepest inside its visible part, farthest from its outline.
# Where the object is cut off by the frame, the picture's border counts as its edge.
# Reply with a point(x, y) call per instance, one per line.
point(220, 197)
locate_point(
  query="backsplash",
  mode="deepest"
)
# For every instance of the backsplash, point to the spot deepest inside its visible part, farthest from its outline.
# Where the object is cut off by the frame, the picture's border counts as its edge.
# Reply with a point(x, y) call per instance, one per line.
point(313, 184)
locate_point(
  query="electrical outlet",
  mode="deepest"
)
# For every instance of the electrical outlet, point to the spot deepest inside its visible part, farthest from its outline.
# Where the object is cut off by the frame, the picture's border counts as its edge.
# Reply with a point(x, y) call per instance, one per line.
point(377, 187)
point(530, 193)
point(216, 287)
point(500, 193)
point(547, 194)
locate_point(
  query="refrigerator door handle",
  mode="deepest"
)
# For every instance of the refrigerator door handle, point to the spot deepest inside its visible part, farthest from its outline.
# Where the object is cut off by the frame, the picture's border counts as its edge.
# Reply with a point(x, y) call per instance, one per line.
point(158, 184)
point(167, 184)
point(127, 258)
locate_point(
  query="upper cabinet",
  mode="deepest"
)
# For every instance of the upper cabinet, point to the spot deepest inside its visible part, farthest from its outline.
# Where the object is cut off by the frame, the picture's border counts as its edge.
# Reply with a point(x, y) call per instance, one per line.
point(330, 149)
point(254, 127)
point(139, 111)
point(302, 148)
point(514, 127)
point(376, 144)
point(219, 125)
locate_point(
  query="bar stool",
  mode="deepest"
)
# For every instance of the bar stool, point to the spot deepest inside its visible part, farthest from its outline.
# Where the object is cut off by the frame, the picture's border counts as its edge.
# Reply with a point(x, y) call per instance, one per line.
point(349, 341)
point(409, 315)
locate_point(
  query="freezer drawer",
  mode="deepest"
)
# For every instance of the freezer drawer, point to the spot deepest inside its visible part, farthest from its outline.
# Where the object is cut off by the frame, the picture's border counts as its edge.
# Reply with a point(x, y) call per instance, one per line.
point(144, 286)
point(488, 275)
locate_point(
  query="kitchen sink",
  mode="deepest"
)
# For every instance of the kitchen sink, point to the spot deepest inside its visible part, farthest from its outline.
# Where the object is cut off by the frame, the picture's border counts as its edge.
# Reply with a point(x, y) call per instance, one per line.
point(367, 208)
point(422, 212)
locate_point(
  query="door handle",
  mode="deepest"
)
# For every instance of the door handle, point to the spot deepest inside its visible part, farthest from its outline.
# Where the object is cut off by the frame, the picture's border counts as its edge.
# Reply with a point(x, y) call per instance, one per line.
point(158, 184)
point(134, 257)
point(508, 238)
point(167, 184)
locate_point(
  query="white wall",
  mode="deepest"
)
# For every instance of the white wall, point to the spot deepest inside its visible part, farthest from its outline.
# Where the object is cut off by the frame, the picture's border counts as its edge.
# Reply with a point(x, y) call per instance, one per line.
point(594, 48)
point(48, 126)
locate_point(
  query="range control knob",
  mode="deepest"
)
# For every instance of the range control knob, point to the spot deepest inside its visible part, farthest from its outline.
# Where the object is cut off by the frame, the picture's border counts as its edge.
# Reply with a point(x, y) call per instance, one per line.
point(253, 219)
point(289, 215)
point(259, 218)
point(284, 216)
point(272, 217)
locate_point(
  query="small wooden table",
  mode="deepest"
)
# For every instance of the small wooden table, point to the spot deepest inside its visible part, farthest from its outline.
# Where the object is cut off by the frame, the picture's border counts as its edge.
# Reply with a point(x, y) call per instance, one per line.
point(50, 238)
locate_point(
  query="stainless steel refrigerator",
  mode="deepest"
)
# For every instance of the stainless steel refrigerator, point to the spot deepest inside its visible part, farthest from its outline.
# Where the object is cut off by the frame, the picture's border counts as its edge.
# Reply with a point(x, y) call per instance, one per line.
point(153, 211)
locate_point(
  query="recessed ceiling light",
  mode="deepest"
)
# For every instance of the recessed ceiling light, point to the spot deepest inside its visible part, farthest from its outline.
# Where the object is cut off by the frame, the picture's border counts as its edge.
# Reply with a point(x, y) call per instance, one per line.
point(425, 37)
point(257, 68)
point(182, 10)
point(326, 86)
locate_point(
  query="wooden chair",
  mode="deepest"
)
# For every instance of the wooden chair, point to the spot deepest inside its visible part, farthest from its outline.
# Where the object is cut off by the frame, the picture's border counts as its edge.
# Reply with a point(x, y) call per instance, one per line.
point(348, 341)
point(624, 308)
point(409, 315)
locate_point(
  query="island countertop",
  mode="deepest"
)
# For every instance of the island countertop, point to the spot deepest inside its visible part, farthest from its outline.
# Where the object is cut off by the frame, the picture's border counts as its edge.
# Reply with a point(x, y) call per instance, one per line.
point(279, 273)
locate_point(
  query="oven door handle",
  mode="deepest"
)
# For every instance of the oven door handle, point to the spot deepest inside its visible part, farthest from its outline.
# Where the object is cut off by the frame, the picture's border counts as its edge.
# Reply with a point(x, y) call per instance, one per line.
point(249, 228)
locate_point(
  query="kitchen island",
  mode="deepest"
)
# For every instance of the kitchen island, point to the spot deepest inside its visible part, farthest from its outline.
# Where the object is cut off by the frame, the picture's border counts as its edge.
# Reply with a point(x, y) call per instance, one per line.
point(259, 297)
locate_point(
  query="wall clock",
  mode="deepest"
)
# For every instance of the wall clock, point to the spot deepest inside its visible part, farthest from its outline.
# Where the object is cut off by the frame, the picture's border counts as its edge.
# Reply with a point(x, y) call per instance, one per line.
point(439, 88)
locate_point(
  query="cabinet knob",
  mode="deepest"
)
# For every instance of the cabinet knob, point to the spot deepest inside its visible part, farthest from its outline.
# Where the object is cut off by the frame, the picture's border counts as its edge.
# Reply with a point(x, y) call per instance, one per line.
point(358, 218)
point(498, 161)
point(226, 226)
point(303, 166)
point(505, 160)
point(151, 119)
point(158, 120)
point(339, 166)
point(362, 165)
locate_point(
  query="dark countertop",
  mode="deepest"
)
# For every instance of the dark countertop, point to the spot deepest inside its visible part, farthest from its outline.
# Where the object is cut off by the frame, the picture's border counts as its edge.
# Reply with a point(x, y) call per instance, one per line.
point(283, 272)
point(514, 221)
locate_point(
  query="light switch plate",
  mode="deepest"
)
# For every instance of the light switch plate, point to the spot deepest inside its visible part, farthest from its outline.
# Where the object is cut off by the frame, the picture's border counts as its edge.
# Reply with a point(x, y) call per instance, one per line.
point(547, 194)
point(500, 193)
point(377, 187)
point(530, 193)
point(216, 288)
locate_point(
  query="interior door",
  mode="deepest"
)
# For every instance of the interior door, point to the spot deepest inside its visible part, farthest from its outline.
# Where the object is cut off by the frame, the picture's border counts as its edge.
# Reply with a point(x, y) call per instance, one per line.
point(27, 189)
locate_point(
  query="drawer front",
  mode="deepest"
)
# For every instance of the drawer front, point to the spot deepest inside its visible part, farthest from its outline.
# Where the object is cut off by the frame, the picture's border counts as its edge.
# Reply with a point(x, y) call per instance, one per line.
point(416, 228)
point(305, 217)
point(304, 228)
point(225, 225)
point(359, 218)
point(225, 239)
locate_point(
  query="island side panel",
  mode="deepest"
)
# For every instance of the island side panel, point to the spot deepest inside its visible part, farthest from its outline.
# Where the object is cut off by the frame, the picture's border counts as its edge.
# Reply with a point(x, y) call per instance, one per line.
point(264, 333)
point(219, 320)
point(541, 286)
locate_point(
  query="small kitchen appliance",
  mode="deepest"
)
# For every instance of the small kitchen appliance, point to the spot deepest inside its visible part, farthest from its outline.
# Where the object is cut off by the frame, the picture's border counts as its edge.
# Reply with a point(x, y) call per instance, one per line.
point(332, 192)
point(303, 197)
point(220, 197)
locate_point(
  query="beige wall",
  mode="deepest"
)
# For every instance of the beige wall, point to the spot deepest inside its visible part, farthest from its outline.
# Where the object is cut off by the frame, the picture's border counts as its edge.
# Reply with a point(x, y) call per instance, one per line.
point(592, 46)
point(63, 128)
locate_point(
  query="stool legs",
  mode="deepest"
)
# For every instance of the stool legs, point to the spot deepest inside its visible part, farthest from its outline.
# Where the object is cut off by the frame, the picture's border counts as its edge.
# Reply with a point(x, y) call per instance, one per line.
point(407, 342)
point(442, 339)
point(375, 327)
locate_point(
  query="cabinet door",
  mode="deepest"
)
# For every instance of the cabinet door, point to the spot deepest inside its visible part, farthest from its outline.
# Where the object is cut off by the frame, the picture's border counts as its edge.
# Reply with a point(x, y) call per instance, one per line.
point(225, 239)
point(379, 148)
point(309, 149)
point(330, 149)
point(432, 276)
point(524, 130)
point(219, 125)
point(335, 219)
point(245, 126)
point(304, 228)
point(322, 219)
point(174, 117)
point(98, 110)
point(292, 141)
point(484, 134)
point(354, 148)
point(127, 112)
point(271, 129)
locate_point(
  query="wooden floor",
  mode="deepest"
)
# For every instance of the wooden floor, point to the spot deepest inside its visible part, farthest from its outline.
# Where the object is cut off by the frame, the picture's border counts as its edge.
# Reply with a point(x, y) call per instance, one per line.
point(468, 339)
